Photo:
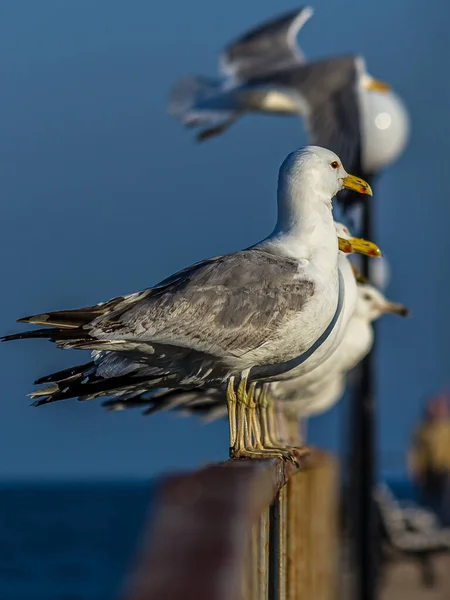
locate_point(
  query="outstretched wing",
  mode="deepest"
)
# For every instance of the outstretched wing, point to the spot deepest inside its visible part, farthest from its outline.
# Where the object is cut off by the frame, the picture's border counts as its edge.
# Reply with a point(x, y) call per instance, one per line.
point(329, 89)
point(267, 48)
point(334, 120)
point(334, 124)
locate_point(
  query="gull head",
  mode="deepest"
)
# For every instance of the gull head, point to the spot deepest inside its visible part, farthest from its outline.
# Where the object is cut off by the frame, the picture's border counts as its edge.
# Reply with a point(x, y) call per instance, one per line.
point(371, 304)
point(348, 243)
point(317, 173)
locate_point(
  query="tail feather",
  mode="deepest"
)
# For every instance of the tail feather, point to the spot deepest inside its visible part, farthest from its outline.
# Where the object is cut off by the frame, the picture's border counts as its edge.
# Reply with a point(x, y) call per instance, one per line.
point(209, 403)
point(53, 334)
point(66, 373)
point(88, 387)
point(199, 101)
point(109, 374)
point(154, 401)
point(79, 317)
point(207, 411)
point(63, 319)
point(188, 95)
point(77, 339)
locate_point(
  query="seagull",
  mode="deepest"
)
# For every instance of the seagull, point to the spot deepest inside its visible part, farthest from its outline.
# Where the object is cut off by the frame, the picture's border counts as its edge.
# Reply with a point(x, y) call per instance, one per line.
point(317, 391)
point(322, 388)
point(345, 108)
point(228, 321)
point(167, 399)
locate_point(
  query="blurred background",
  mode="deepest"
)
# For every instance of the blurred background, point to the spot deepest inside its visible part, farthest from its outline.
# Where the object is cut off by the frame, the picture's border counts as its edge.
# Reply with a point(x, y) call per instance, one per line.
point(103, 194)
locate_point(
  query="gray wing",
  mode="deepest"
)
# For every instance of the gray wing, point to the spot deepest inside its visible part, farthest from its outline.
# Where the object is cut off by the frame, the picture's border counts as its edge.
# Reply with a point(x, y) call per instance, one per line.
point(266, 49)
point(335, 124)
point(227, 305)
point(197, 100)
point(329, 91)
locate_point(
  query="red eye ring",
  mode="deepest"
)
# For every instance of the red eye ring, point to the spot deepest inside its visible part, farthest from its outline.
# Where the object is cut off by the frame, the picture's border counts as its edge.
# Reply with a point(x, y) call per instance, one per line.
point(334, 164)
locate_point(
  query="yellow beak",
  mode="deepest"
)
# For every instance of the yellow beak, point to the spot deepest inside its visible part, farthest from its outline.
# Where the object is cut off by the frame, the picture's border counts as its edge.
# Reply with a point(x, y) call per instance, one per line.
point(396, 309)
point(357, 184)
point(359, 276)
point(345, 245)
point(364, 247)
point(374, 85)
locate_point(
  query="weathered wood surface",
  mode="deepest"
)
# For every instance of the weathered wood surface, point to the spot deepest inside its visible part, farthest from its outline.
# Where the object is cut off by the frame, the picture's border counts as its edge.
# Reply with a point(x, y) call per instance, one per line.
point(312, 533)
point(209, 535)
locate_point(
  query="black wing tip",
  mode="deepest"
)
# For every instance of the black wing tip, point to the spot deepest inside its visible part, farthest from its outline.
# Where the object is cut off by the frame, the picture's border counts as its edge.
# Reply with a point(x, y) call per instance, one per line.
point(42, 401)
point(26, 335)
point(31, 318)
point(12, 337)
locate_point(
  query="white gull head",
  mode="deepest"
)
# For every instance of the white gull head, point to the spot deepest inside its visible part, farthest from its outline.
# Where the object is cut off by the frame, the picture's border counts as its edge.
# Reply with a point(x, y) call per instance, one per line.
point(313, 170)
point(308, 180)
point(372, 304)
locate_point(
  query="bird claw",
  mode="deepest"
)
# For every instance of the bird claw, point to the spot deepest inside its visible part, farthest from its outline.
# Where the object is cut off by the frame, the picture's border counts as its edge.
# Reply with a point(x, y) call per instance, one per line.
point(287, 454)
point(253, 454)
point(294, 461)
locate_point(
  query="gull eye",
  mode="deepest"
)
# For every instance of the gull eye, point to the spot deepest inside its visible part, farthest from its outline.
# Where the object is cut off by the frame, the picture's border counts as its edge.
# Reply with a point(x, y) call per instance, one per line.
point(367, 297)
point(334, 164)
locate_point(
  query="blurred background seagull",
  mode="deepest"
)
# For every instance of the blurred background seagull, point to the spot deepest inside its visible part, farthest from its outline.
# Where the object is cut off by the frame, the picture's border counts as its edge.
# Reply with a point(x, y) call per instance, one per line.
point(230, 320)
point(345, 109)
point(319, 390)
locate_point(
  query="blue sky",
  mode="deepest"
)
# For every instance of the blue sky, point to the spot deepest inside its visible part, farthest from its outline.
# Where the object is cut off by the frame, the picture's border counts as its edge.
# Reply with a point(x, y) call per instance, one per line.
point(102, 193)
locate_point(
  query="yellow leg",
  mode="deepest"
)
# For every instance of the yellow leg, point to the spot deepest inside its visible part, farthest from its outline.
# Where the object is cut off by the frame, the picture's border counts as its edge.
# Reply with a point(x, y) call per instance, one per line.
point(275, 414)
point(281, 426)
point(231, 405)
point(294, 429)
point(243, 434)
point(247, 426)
point(263, 415)
point(242, 425)
point(271, 438)
point(270, 427)
point(271, 416)
point(253, 417)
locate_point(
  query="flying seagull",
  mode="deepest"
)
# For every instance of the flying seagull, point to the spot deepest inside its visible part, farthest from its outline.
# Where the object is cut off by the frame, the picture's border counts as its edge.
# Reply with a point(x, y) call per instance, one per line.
point(264, 71)
point(228, 321)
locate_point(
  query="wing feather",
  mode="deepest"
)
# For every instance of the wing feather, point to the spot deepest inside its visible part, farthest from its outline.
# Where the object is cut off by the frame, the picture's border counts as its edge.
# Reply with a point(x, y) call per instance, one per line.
point(267, 48)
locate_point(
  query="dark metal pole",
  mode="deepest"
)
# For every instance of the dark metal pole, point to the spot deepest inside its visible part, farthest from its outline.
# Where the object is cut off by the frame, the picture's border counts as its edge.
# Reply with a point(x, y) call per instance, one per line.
point(274, 548)
point(363, 461)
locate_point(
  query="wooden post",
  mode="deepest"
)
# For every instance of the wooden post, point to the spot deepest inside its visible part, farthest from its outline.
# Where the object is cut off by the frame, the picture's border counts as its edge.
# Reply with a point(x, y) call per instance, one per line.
point(233, 532)
point(312, 532)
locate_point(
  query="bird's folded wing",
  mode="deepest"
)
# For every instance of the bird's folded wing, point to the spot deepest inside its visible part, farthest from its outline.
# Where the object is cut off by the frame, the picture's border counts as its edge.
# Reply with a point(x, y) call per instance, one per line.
point(228, 305)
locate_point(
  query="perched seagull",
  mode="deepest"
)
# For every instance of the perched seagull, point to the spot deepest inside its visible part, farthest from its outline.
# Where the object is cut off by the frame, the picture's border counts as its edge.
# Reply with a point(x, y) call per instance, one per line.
point(322, 388)
point(168, 399)
point(304, 396)
point(345, 109)
point(228, 321)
